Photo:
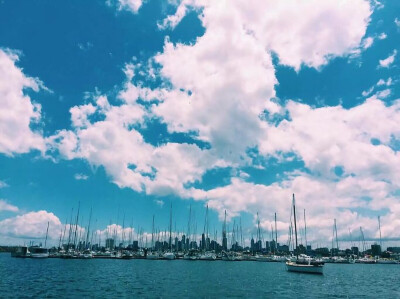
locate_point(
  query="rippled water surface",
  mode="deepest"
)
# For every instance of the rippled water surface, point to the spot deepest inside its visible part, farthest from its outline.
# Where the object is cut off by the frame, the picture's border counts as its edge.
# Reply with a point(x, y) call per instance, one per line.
point(145, 278)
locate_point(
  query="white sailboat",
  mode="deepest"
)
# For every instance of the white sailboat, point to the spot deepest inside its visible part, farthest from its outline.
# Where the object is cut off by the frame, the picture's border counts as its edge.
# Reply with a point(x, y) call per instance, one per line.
point(305, 264)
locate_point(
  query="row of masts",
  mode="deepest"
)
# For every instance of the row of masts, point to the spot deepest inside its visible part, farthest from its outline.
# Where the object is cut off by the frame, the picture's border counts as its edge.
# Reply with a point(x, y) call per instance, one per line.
point(72, 232)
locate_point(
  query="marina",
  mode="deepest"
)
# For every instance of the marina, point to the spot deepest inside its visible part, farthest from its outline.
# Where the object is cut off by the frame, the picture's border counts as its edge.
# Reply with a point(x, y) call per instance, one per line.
point(172, 246)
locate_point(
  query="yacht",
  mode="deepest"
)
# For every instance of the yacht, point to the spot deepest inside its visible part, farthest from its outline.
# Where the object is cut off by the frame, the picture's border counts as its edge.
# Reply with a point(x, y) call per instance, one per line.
point(86, 254)
point(21, 252)
point(192, 255)
point(169, 255)
point(304, 264)
point(153, 255)
point(38, 252)
point(207, 256)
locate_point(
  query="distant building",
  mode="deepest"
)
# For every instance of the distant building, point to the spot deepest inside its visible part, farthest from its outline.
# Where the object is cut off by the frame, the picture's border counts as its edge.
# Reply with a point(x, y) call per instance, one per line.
point(394, 249)
point(376, 249)
point(323, 251)
point(284, 248)
point(272, 245)
point(135, 245)
point(203, 241)
point(355, 250)
point(267, 247)
point(110, 243)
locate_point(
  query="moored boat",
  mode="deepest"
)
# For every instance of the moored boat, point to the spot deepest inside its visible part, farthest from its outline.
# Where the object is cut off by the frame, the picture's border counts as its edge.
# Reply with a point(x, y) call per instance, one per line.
point(304, 264)
point(38, 252)
point(169, 255)
point(21, 252)
point(207, 256)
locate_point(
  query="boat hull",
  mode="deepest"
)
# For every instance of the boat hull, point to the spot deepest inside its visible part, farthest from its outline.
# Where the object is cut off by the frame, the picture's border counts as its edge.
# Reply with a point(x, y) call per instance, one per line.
point(39, 255)
point(293, 267)
point(169, 256)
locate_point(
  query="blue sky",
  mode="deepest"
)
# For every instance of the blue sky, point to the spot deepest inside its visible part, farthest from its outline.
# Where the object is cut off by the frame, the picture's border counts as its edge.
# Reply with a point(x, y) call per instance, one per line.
point(128, 106)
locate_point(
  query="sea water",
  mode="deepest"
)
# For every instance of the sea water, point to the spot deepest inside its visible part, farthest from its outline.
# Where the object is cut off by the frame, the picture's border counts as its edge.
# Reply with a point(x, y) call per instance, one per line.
point(101, 278)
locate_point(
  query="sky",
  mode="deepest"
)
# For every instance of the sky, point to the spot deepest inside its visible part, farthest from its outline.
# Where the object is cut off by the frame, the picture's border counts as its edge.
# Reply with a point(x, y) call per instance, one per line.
point(130, 107)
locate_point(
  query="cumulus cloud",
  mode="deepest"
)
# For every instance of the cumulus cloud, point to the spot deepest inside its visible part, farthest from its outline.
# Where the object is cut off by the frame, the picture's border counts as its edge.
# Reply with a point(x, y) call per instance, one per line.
point(330, 136)
point(31, 225)
point(387, 62)
point(17, 110)
point(4, 206)
point(314, 30)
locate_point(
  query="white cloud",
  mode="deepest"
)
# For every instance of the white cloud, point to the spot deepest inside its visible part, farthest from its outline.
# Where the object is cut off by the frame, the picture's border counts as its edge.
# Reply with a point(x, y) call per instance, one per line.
point(383, 93)
point(333, 136)
point(397, 22)
point(81, 176)
point(131, 5)
point(4, 206)
point(85, 46)
point(300, 32)
point(3, 184)
point(385, 63)
point(382, 82)
point(323, 200)
point(367, 42)
point(159, 202)
point(31, 225)
point(172, 20)
point(217, 88)
point(380, 94)
point(17, 111)
point(382, 36)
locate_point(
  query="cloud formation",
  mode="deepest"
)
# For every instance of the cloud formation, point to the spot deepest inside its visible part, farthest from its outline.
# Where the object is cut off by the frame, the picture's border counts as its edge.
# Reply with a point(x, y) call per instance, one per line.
point(4, 206)
point(387, 62)
point(18, 113)
point(219, 91)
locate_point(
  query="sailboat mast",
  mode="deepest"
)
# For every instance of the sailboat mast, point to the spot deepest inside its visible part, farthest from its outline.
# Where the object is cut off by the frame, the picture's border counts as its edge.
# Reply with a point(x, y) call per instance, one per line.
point(47, 232)
point(207, 228)
point(76, 225)
point(295, 225)
point(152, 235)
point(276, 234)
point(88, 230)
point(380, 234)
point(170, 227)
point(241, 234)
point(70, 229)
point(337, 242)
point(305, 227)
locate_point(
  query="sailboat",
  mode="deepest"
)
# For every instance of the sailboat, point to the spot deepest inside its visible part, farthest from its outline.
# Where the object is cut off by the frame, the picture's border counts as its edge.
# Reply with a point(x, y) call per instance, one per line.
point(169, 255)
point(305, 264)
